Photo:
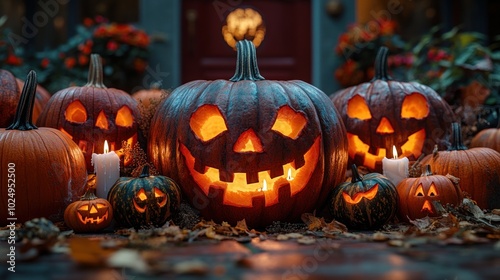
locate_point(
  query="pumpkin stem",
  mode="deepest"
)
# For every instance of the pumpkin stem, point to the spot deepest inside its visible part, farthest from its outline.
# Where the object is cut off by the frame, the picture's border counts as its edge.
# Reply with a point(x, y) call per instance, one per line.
point(145, 171)
point(456, 142)
point(355, 174)
point(95, 78)
point(381, 65)
point(22, 120)
point(246, 63)
point(427, 171)
point(89, 194)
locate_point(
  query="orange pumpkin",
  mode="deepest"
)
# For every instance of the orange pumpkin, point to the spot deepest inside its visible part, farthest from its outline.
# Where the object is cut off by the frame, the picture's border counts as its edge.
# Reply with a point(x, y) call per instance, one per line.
point(45, 166)
point(417, 194)
point(489, 137)
point(478, 169)
point(89, 214)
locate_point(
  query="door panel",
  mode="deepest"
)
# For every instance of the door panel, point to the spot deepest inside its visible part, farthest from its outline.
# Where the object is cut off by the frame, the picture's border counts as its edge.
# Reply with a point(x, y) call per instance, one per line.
point(285, 53)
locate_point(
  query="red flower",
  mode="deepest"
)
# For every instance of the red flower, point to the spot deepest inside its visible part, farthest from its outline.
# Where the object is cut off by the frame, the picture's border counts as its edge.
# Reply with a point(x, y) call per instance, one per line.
point(112, 46)
point(83, 59)
point(88, 22)
point(45, 63)
point(70, 62)
point(13, 60)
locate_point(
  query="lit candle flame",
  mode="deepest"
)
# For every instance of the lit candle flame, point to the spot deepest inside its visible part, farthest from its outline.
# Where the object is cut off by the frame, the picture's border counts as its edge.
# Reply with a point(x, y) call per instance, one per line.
point(106, 147)
point(264, 186)
point(394, 152)
point(289, 176)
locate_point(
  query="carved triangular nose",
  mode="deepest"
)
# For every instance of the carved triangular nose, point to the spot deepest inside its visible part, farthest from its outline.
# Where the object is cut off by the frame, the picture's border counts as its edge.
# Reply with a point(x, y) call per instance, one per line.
point(385, 127)
point(248, 142)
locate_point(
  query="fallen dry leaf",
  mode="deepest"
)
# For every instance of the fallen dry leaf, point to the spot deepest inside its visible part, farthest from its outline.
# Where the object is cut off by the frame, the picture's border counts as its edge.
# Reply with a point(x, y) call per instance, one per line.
point(193, 267)
point(306, 240)
point(128, 258)
point(87, 251)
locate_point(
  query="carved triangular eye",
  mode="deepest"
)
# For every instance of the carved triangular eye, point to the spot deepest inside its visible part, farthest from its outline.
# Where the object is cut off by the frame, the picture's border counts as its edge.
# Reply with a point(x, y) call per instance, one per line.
point(289, 123)
point(124, 117)
point(432, 190)
point(420, 191)
point(207, 122)
point(76, 112)
point(357, 108)
point(414, 106)
point(161, 197)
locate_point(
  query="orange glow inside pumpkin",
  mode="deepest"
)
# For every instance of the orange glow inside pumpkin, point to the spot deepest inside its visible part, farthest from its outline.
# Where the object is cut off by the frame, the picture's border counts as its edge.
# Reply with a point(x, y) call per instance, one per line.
point(411, 147)
point(369, 194)
point(357, 108)
point(207, 122)
point(124, 117)
point(289, 122)
point(76, 112)
point(248, 142)
point(84, 211)
point(415, 106)
point(385, 127)
point(240, 193)
point(427, 207)
point(102, 121)
point(160, 196)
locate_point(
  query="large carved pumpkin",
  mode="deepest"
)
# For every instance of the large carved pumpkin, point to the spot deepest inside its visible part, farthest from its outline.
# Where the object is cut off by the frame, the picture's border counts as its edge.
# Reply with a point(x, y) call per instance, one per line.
point(92, 114)
point(249, 148)
point(42, 170)
point(384, 113)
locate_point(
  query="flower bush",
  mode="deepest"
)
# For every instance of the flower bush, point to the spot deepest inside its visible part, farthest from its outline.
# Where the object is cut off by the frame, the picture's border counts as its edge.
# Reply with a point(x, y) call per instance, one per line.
point(358, 47)
point(123, 48)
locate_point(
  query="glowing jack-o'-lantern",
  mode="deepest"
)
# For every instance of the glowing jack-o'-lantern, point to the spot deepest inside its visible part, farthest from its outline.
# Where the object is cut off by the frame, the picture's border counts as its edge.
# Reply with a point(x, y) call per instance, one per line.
point(92, 114)
point(384, 113)
point(364, 202)
point(249, 148)
point(145, 200)
point(417, 194)
point(89, 214)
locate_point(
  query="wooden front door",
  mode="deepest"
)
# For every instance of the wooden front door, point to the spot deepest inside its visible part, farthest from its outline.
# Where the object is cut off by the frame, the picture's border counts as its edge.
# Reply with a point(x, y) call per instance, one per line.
point(285, 53)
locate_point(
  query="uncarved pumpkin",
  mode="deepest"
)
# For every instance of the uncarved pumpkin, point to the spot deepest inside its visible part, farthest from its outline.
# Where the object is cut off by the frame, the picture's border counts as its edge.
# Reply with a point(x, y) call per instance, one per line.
point(46, 167)
point(364, 202)
point(384, 113)
point(489, 138)
point(10, 92)
point(92, 114)
point(477, 168)
point(417, 194)
point(249, 148)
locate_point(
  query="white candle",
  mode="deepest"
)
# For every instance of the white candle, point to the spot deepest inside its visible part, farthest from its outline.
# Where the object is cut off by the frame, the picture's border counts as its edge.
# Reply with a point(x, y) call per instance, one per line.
point(395, 169)
point(107, 170)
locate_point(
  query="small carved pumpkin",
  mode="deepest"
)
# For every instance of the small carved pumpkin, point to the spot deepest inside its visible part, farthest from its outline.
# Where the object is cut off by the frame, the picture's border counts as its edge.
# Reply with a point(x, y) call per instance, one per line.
point(417, 194)
point(92, 114)
point(89, 214)
point(46, 167)
point(477, 168)
point(366, 202)
point(384, 113)
point(145, 200)
point(249, 148)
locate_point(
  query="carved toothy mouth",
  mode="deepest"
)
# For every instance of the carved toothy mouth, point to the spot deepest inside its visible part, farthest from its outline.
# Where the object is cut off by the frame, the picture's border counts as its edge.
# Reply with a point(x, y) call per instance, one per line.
point(244, 187)
point(96, 220)
point(357, 148)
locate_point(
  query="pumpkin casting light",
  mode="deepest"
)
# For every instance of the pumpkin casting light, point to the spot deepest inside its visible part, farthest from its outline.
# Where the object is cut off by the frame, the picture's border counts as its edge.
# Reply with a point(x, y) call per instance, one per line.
point(417, 194)
point(93, 114)
point(384, 113)
point(364, 202)
point(249, 148)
